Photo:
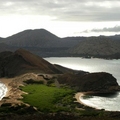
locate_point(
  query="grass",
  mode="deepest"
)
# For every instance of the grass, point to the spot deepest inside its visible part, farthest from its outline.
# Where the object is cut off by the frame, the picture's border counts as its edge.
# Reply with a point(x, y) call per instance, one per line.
point(48, 99)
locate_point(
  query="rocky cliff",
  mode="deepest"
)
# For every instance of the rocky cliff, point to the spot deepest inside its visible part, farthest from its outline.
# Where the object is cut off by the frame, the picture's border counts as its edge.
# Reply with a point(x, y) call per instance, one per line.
point(95, 82)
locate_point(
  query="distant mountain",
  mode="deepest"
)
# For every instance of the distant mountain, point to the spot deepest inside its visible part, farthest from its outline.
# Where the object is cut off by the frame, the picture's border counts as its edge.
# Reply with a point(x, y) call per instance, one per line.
point(5, 47)
point(41, 42)
point(40, 38)
point(32, 38)
point(97, 47)
point(114, 37)
point(46, 44)
point(72, 41)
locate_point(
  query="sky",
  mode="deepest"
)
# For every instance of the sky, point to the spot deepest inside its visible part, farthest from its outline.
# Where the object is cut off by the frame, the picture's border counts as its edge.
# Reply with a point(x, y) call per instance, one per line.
point(61, 17)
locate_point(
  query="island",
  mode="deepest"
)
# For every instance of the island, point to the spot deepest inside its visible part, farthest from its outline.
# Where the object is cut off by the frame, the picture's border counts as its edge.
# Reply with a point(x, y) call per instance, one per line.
point(38, 89)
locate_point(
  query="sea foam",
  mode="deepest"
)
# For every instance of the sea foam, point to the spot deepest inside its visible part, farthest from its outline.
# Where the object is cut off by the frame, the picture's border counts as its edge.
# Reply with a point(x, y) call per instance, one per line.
point(3, 90)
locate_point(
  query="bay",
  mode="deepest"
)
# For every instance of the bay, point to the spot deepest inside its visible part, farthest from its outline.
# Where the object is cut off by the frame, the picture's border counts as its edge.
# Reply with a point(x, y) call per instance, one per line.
point(108, 102)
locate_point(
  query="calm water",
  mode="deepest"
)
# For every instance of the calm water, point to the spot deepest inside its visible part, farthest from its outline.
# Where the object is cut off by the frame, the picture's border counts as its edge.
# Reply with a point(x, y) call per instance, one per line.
point(108, 102)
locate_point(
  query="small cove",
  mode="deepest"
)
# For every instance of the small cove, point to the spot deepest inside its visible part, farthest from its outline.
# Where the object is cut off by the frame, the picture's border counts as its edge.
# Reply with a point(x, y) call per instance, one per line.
point(107, 102)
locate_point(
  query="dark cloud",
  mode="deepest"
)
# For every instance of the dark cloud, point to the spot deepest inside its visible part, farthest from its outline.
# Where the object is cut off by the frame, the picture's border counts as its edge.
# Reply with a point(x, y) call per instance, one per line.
point(66, 10)
point(110, 29)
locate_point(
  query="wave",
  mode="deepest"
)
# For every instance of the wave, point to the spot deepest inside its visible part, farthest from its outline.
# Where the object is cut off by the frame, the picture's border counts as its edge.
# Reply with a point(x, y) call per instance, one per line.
point(3, 90)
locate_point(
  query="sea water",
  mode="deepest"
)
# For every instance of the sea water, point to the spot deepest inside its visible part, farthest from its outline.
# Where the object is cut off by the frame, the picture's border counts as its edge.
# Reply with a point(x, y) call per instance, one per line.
point(3, 90)
point(108, 102)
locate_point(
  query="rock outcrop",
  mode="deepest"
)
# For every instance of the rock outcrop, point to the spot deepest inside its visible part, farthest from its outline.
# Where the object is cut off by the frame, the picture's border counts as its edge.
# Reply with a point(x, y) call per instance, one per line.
point(95, 82)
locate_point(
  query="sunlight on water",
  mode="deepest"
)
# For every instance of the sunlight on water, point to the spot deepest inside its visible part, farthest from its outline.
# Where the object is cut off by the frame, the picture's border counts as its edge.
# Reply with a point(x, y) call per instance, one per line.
point(3, 90)
point(94, 65)
point(90, 65)
point(99, 102)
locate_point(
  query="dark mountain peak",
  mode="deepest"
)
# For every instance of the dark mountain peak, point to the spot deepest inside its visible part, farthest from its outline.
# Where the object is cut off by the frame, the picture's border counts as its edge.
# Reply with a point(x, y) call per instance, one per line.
point(32, 38)
point(33, 33)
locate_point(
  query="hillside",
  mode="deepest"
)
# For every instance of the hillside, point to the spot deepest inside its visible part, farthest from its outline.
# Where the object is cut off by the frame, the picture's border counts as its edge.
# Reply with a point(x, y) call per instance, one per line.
point(51, 89)
point(97, 47)
point(5, 47)
point(1, 38)
point(22, 61)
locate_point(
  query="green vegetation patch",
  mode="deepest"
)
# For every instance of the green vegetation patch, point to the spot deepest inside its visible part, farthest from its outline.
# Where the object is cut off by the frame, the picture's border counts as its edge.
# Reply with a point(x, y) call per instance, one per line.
point(48, 99)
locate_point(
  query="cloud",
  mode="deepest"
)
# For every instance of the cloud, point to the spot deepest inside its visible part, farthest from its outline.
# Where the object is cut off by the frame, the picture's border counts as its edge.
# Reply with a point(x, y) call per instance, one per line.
point(64, 10)
point(105, 29)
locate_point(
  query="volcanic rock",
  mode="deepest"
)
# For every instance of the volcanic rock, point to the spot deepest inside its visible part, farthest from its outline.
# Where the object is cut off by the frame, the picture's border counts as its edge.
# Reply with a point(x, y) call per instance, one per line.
point(97, 82)
point(22, 61)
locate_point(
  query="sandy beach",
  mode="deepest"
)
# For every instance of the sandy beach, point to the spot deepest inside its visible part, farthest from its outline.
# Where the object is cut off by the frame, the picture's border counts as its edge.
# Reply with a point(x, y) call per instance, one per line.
point(14, 94)
point(78, 95)
point(6, 81)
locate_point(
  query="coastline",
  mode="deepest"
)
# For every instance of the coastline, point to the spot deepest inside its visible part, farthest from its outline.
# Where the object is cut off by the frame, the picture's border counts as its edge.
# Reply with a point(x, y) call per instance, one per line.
point(7, 82)
point(13, 93)
point(81, 94)
point(78, 95)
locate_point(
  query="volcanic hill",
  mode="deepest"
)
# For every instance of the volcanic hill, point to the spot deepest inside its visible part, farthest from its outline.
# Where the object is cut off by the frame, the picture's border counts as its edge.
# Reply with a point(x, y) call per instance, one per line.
point(22, 61)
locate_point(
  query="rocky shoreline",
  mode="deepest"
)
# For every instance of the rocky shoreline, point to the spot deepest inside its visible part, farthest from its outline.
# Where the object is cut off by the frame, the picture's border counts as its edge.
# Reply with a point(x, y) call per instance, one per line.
point(20, 66)
point(14, 96)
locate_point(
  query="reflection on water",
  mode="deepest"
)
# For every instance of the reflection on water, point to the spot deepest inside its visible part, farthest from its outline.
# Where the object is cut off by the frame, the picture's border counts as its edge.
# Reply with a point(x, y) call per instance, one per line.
point(90, 65)
point(107, 102)
point(3, 90)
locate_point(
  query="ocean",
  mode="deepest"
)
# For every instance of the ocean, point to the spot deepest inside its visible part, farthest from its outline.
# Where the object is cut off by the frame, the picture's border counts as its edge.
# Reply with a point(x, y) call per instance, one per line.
point(108, 102)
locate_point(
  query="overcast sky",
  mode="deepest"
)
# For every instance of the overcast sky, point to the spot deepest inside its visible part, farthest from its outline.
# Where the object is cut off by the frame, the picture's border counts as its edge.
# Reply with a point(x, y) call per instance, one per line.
point(61, 17)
